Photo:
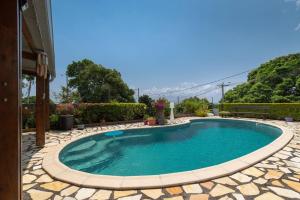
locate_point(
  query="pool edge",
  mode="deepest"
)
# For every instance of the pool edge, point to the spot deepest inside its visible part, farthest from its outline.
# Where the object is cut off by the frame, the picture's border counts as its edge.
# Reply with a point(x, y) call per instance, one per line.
point(59, 171)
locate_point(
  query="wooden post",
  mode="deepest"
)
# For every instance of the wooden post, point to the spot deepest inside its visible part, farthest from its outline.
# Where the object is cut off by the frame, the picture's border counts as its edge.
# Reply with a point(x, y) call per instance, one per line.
point(40, 111)
point(47, 104)
point(10, 107)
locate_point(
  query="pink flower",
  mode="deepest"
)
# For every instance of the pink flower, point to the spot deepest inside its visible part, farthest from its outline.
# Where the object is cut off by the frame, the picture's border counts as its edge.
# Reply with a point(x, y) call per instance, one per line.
point(65, 109)
point(160, 105)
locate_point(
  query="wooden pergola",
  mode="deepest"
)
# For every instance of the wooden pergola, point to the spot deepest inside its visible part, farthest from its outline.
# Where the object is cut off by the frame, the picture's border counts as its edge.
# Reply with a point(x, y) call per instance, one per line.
point(26, 47)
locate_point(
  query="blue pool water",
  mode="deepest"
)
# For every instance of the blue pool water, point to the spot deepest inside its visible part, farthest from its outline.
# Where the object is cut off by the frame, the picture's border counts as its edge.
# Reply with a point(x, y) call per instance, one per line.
point(199, 144)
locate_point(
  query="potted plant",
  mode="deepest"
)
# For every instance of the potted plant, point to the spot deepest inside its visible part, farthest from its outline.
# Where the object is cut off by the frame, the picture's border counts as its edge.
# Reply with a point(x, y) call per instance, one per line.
point(66, 118)
point(160, 111)
point(151, 121)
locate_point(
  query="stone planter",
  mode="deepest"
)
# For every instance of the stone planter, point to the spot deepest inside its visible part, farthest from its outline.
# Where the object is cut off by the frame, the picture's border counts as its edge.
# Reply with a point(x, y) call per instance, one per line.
point(66, 122)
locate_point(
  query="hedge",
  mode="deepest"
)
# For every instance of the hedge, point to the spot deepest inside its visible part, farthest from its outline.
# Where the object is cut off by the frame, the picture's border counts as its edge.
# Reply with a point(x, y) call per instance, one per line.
point(109, 112)
point(276, 110)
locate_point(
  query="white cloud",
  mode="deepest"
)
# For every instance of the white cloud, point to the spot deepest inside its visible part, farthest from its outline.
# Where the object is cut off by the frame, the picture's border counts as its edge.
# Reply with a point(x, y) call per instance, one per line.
point(297, 2)
point(156, 92)
point(297, 28)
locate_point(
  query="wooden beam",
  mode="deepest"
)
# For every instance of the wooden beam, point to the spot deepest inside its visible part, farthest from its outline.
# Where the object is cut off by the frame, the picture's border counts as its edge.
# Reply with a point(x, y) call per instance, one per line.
point(29, 56)
point(40, 111)
point(47, 104)
point(27, 72)
point(10, 107)
point(27, 35)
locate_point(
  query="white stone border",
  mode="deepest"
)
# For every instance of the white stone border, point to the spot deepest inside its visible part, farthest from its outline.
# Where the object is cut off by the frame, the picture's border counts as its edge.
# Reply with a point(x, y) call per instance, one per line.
point(59, 171)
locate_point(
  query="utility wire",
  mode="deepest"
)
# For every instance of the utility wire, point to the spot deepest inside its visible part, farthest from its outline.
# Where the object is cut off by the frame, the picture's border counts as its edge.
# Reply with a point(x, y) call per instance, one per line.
point(200, 85)
point(211, 89)
point(215, 88)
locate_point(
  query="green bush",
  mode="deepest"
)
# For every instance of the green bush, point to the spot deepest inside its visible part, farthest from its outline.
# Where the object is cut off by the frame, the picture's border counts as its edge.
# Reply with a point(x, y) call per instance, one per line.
point(54, 121)
point(28, 112)
point(28, 118)
point(276, 110)
point(98, 112)
point(192, 105)
point(28, 121)
point(201, 113)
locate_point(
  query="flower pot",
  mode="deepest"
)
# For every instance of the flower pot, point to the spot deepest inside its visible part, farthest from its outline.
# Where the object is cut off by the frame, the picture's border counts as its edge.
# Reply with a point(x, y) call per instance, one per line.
point(66, 122)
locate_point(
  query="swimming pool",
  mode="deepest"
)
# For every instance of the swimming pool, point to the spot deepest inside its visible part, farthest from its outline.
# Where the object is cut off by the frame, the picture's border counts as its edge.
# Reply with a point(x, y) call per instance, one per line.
point(153, 151)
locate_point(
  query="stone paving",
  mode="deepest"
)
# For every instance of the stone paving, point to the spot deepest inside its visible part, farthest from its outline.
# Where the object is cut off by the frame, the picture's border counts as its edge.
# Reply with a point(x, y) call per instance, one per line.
point(274, 178)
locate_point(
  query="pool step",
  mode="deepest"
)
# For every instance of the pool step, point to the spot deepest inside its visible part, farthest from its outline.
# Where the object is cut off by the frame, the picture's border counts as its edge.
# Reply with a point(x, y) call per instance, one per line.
point(93, 162)
point(82, 147)
point(97, 168)
point(96, 150)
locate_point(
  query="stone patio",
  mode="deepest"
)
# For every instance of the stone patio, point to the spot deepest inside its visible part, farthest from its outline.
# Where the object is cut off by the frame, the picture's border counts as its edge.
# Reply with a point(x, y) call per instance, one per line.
point(272, 179)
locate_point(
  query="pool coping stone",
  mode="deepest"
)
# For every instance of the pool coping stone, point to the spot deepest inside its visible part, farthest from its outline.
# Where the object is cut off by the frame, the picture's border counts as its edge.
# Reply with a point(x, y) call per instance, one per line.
point(59, 171)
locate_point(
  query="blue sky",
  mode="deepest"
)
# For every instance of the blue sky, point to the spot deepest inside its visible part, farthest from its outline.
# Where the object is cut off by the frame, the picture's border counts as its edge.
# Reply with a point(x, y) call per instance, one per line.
point(162, 45)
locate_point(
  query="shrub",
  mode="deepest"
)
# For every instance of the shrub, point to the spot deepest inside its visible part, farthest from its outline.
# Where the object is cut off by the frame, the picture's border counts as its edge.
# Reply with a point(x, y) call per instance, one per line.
point(193, 105)
point(28, 121)
point(201, 113)
point(276, 110)
point(149, 103)
point(165, 103)
point(160, 105)
point(65, 109)
point(98, 112)
point(54, 121)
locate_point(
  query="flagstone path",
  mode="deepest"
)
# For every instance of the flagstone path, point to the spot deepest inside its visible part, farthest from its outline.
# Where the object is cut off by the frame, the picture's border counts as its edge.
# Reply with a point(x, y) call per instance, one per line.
point(274, 178)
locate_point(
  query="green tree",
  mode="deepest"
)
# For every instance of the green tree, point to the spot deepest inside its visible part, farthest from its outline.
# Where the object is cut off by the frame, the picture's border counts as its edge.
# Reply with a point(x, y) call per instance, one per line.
point(96, 83)
point(236, 95)
point(297, 89)
point(149, 102)
point(259, 93)
point(285, 91)
point(274, 81)
point(191, 105)
point(67, 96)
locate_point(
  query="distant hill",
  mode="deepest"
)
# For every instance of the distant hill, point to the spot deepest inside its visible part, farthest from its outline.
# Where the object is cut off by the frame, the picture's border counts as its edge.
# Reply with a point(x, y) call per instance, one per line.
point(277, 81)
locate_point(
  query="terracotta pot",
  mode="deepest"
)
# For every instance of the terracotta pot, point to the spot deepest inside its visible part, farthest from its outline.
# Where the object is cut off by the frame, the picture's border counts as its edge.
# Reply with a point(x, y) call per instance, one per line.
point(151, 122)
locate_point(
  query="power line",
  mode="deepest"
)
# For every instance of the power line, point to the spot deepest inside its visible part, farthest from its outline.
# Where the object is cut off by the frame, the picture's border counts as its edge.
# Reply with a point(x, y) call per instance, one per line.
point(215, 88)
point(200, 85)
point(208, 90)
